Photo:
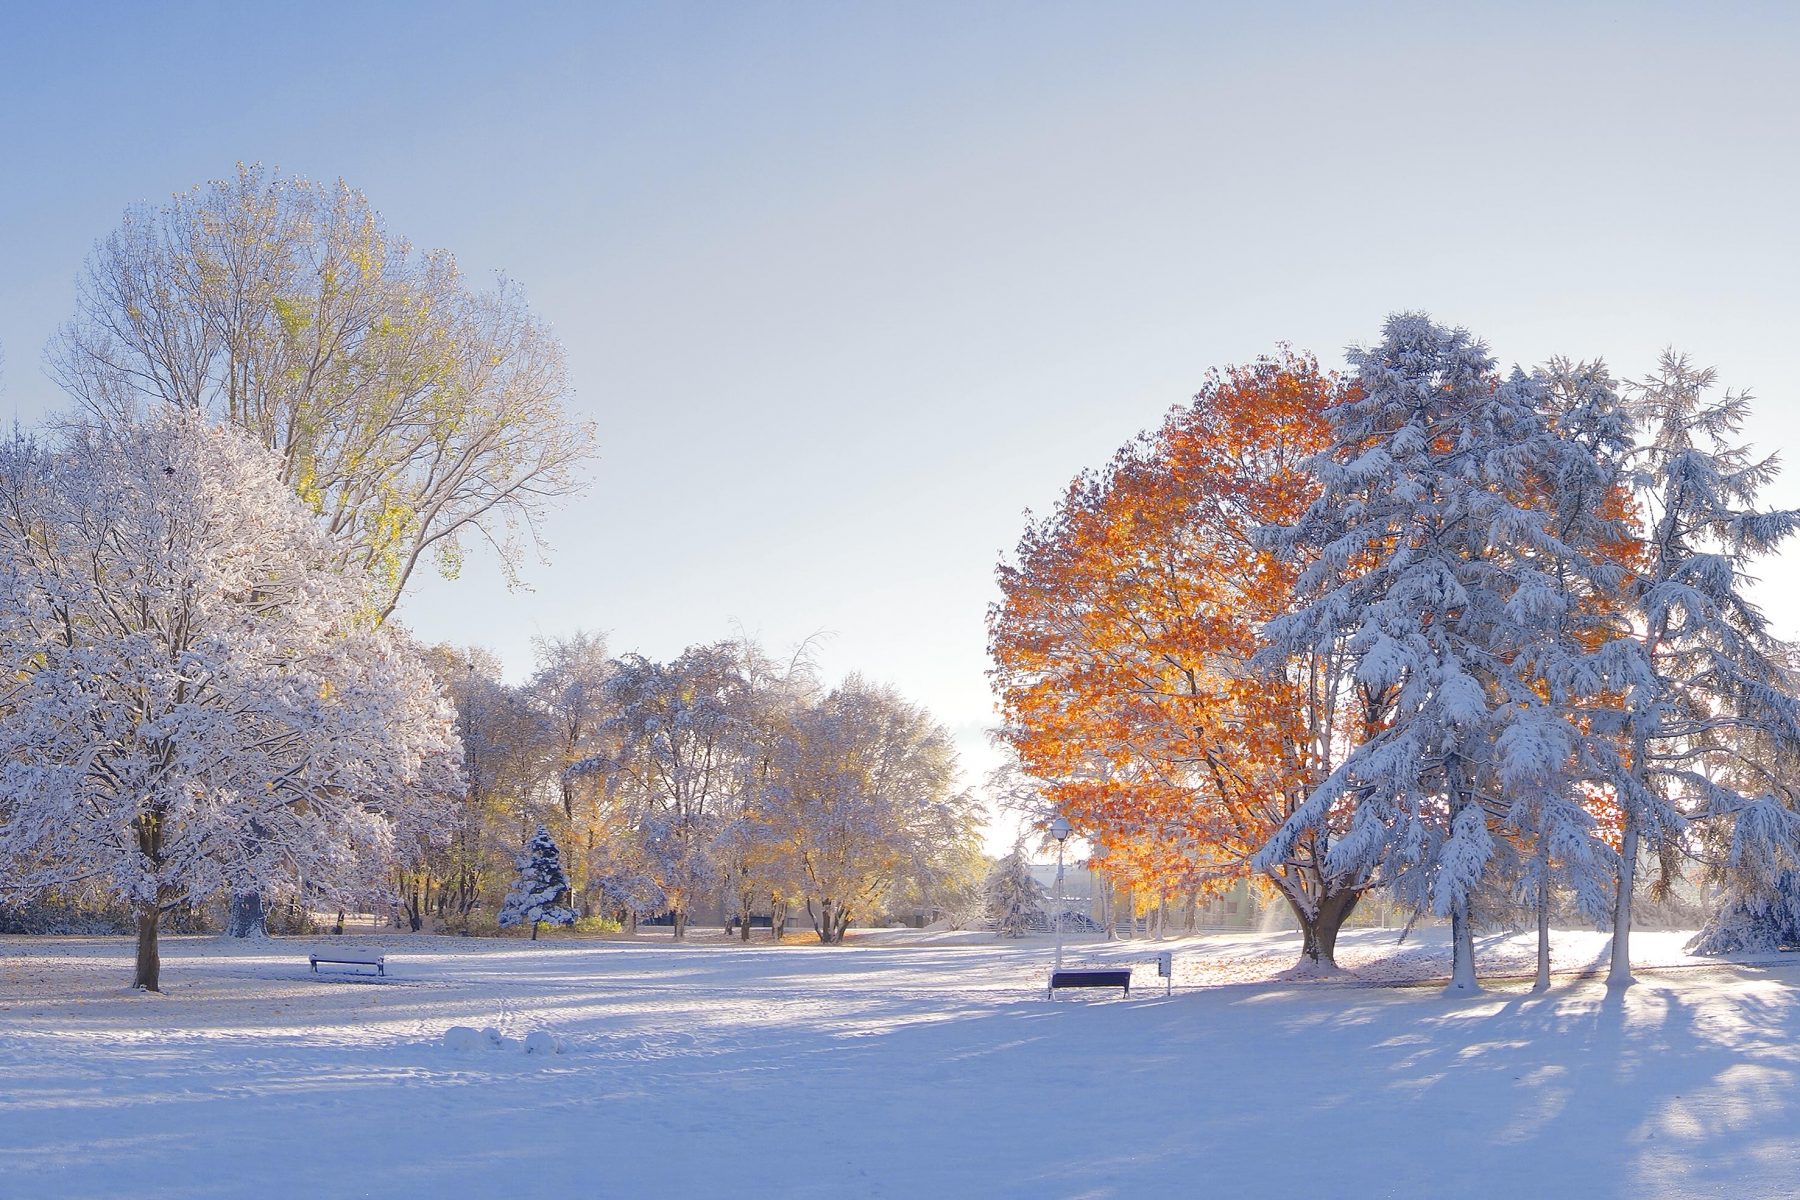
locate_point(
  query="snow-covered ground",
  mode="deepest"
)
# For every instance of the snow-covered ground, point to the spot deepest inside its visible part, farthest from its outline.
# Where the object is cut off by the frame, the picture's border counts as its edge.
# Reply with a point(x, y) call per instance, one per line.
point(904, 1065)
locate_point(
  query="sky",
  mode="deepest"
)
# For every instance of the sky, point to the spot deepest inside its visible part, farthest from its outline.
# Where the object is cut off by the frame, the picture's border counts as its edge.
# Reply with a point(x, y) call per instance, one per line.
point(847, 288)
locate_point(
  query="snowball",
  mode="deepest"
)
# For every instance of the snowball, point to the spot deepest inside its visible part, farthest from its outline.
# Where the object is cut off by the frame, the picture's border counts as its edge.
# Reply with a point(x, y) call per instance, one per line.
point(464, 1040)
point(539, 1041)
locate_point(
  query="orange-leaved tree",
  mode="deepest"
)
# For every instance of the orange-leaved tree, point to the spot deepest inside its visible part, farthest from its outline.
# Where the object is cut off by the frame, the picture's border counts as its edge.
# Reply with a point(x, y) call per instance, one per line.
point(1122, 648)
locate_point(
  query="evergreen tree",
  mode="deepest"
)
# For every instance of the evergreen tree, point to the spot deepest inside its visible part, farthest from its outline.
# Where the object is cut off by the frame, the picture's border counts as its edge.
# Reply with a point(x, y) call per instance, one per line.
point(1759, 919)
point(1424, 532)
point(1711, 693)
point(540, 885)
point(1573, 645)
point(1015, 902)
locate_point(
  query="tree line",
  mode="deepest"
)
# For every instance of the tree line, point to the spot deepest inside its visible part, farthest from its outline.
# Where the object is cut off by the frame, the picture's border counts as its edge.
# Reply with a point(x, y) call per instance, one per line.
point(724, 779)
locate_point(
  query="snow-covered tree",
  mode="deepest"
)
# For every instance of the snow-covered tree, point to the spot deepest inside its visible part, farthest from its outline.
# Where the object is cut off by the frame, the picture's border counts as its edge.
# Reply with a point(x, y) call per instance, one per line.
point(954, 891)
point(622, 879)
point(1558, 753)
point(536, 894)
point(423, 826)
point(568, 691)
point(1758, 919)
point(1712, 685)
point(677, 728)
point(506, 762)
point(864, 786)
point(196, 698)
point(1015, 902)
point(416, 417)
point(1422, 531)
point(1755, 877)
point(753, 857)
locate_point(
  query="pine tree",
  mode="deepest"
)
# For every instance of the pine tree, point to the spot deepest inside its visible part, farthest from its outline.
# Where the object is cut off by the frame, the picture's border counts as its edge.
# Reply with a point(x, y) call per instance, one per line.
point(540, 884)
point(1573, 648)
point(1015, 902)
point(1420, 532)
point(1758, 919)
point(1710, 686)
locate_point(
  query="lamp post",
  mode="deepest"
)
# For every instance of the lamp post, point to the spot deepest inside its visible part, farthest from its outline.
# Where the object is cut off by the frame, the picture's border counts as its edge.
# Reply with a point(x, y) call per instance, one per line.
point(1059, 829)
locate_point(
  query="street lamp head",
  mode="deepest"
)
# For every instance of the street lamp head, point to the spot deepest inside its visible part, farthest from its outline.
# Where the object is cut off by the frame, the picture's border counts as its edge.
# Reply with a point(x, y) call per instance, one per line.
point(1060, 829)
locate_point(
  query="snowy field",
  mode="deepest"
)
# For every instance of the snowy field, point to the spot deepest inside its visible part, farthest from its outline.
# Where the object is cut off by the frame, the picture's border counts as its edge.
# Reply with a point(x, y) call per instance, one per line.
point(906, 1065)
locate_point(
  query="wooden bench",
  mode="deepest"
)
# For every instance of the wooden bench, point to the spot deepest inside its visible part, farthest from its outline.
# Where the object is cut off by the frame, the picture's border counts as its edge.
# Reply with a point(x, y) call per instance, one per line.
point(1089, 977)
point(351, 958)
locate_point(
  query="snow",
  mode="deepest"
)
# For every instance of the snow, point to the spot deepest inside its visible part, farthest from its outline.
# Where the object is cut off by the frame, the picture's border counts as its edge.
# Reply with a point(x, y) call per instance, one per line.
point(461, 1039)
point(900, 1065)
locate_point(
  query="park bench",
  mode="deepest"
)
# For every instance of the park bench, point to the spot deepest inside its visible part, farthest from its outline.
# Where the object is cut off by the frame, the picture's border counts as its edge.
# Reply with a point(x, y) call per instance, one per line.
point(351, 958)
point(1109, 977)
point(1088, 977)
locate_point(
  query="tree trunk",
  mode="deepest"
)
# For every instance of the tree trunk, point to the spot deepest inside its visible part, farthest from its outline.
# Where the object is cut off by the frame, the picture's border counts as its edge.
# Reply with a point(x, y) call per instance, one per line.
point(1319, 929)
point(678, 919)
point(777, 917)
point(149, 960)
point(534, 929)
point(831, 923)
point(1542, 983)
point(1334, 910)
point(1462, 930)
point(587, 904)
point(1619, 975)
point(1462, 952)
point(249, 915)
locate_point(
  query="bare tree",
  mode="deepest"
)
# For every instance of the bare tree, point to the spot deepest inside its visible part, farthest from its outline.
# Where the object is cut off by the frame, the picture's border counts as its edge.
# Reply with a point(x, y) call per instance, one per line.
point(412, 413)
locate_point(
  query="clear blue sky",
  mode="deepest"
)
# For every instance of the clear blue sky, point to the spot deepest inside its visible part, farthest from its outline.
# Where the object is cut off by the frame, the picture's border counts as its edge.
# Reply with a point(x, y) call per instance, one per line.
point(849, 286)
